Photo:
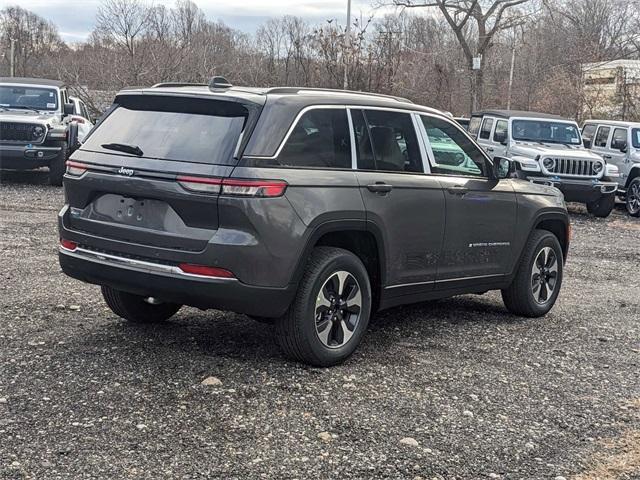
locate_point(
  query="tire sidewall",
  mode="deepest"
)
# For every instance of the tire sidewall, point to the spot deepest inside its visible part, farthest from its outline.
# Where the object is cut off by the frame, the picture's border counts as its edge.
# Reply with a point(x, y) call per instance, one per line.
point(349, 263)
point(548, 240)
point(626, 203)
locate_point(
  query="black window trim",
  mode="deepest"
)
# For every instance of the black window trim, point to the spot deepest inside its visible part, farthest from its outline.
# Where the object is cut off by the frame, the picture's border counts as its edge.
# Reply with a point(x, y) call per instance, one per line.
point(432, 162)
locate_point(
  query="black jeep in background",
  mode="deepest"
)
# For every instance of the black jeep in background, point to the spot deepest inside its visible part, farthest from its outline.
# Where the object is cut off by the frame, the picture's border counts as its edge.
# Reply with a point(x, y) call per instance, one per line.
point(308, 209)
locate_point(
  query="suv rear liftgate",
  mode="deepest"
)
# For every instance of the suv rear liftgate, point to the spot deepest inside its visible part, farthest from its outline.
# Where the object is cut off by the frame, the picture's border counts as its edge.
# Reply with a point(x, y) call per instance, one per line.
point(175, 154)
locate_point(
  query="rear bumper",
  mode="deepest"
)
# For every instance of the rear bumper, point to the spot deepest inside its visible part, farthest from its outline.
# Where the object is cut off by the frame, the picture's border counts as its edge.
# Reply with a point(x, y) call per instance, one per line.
point(583, 191)
point(169, 284)
point(25, 157)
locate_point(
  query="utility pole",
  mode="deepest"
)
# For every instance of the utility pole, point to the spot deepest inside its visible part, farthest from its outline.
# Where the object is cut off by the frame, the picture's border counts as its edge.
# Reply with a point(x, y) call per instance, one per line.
point(513, 64)
point(347, 47)
point(11, 60)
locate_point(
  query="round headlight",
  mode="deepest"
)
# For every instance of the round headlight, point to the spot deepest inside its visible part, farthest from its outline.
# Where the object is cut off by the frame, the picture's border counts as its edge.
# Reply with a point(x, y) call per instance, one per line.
point(597, 167)
point(37, 132)
point(549, 163)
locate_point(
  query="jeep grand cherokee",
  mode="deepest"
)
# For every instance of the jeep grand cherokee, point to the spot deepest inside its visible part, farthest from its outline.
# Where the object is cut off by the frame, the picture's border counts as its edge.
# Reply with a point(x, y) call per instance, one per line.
point(311, 209)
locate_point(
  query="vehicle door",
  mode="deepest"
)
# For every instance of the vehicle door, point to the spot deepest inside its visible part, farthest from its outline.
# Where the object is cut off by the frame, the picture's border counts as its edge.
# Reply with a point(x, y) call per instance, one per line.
point(484, 135)
point(600, 143)
point(481, 211)
point(404, 206)
point(618, 152)
point(497, 145)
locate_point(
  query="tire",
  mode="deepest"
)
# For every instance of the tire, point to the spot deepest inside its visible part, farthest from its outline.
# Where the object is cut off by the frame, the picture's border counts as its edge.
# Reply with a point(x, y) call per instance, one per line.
point(58, 167)
point(265, 320)
point(602, 207)
point(135, 309)
point(522, 297)
point(308, 332)
point(632, 200)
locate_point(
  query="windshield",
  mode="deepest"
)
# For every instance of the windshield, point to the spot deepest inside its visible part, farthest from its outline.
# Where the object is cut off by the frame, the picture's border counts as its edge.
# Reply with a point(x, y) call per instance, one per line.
point(171, 128)
point(545, 132)
point(28, 97)
point(635, 135)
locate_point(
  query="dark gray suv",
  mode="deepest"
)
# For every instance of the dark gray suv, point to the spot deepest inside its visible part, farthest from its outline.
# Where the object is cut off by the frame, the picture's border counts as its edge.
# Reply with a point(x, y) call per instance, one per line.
point(308, 209)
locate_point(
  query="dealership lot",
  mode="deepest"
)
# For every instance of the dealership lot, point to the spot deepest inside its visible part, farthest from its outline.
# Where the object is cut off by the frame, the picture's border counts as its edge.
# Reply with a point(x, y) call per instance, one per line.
point(450, 389)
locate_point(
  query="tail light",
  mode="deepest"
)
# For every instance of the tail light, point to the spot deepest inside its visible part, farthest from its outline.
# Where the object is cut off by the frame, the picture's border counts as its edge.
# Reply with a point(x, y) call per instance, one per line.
point(68, 244)
point(205, 270)
point(234, 187)
point(75, 169)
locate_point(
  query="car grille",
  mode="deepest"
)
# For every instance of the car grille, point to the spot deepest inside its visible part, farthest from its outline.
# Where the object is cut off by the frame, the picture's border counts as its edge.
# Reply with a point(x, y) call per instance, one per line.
point(22, 132)
point(573, 167)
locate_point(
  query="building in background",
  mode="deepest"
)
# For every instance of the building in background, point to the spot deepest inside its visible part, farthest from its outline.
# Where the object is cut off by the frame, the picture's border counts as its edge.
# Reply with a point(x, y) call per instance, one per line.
point(611, 90)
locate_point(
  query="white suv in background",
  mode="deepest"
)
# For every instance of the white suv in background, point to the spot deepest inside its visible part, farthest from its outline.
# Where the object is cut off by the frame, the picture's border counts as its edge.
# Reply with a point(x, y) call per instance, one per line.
point(619, 145)
point(82, 117)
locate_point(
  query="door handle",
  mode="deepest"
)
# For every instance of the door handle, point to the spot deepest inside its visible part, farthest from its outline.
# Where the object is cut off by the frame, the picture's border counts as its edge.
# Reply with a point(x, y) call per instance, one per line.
point(489, 149)
point(607, 157)
point(457, 190)
point(380, 187)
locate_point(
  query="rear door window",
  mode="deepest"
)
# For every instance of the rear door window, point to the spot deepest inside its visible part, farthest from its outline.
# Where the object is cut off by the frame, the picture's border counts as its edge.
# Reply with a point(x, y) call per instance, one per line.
point(320, 139)
point(172, 128)
point(391, 139)
point(602, 137)
point(487, 126)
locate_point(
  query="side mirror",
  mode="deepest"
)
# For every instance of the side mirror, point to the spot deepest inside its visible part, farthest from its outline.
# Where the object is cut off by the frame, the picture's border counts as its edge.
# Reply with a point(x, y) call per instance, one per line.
point(501, 138)
point(73, 143)
point(586, 142)
point(69, 109)
point(502, 167)
point(622, 146)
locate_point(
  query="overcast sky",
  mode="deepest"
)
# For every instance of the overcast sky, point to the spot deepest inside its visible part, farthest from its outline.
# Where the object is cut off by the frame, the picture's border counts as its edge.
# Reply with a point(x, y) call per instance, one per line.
point(75, 18)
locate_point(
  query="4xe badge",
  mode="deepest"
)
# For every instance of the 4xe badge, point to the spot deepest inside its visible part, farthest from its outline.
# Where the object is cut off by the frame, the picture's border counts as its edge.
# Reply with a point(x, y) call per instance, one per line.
point(126, 171)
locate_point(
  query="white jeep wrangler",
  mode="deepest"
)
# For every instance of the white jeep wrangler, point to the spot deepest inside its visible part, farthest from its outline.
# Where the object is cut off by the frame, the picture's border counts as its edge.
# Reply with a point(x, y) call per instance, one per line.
point(548, 149)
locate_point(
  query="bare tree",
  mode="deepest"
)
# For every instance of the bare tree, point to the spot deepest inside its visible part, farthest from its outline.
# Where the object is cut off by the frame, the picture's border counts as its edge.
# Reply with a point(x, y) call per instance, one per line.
point(474, 23)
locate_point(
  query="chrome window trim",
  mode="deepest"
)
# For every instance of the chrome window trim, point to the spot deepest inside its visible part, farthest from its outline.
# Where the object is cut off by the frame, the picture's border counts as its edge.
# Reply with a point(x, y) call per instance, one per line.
point(419, 129)
point(352, 140)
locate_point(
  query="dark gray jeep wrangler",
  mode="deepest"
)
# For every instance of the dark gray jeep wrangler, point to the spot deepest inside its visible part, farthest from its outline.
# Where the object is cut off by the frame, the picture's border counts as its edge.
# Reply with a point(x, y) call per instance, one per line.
point(308, 209)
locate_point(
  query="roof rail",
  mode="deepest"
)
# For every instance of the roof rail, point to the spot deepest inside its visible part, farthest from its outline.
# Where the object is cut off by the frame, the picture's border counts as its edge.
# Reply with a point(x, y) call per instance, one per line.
point(333, 90)
point(178, 84)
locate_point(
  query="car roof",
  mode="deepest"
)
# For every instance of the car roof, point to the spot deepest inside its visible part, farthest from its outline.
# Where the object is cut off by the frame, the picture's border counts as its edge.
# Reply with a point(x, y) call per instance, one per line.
point(32, 81)
point(299, 96)
point(519, 114)
point(615, 123)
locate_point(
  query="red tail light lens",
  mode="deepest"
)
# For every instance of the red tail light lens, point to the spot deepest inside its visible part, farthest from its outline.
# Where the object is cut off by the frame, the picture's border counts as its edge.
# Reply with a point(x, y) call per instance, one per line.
point(205, 270)
point(68, 244)
point(75, 169)
point(200, 184)
point(234, 187)
point(254, 188)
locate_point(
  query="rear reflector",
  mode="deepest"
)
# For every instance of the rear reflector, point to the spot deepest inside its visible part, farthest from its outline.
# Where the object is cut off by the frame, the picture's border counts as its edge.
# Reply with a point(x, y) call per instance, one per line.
point(234, 187)
point(76, 169)
point(68, 244)
point(205, 271)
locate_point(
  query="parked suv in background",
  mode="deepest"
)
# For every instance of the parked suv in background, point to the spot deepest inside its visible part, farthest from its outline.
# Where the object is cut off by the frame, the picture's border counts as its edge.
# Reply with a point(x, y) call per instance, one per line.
point(310, 209)
point(36, 129)
point(548, 149)
point(619, 145)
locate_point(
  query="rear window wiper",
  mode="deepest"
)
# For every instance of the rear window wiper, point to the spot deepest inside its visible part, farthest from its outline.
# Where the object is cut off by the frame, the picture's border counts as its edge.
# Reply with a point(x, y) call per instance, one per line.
point(123, 147)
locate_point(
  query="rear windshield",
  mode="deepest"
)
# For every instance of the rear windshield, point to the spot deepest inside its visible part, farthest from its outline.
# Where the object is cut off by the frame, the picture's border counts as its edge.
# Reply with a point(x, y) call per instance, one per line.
point(172, 128)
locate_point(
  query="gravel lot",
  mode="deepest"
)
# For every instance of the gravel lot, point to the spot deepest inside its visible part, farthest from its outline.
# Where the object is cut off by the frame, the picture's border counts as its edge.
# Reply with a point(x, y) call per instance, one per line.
point(450, 389)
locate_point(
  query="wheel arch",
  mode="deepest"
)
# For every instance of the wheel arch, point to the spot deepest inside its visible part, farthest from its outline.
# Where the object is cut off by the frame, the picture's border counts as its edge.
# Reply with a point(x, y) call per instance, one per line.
point(633, 174)
point(557, 224)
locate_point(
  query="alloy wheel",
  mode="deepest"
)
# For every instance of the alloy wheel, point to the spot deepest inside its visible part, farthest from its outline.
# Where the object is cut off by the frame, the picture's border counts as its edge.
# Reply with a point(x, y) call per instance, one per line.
point(337, 311)
point(633, 198)
point(544, 275)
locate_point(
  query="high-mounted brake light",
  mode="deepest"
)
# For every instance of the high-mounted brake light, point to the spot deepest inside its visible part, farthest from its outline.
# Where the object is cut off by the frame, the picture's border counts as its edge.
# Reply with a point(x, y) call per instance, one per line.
point(68, 244)
point(76, 169)
point(234, 187)
point(205, 270)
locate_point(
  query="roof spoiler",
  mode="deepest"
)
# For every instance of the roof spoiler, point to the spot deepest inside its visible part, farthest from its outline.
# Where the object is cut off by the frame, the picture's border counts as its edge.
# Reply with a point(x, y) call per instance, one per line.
point(219, 82)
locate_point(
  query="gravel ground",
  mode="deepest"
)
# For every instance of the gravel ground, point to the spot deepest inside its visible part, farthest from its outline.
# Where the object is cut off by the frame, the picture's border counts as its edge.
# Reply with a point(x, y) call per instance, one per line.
point(450, 389)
